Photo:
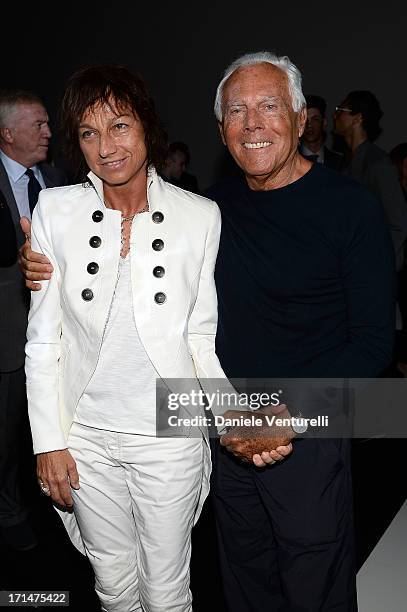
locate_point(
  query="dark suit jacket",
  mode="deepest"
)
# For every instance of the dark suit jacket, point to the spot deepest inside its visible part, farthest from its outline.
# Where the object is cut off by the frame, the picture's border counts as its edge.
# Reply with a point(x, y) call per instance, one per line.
point(14, 297)
point(8, 239)
point(333, 160)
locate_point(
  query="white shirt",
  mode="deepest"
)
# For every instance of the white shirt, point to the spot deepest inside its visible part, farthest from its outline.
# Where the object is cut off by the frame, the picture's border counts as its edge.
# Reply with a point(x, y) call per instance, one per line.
point(19, 183)
point(121, 393)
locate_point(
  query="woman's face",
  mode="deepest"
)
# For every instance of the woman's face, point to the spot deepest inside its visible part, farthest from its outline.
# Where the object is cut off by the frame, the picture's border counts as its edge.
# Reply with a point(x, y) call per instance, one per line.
point(113, 143)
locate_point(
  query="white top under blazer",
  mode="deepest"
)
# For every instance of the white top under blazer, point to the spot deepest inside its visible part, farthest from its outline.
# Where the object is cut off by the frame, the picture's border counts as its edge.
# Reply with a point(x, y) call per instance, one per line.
point(121, 395)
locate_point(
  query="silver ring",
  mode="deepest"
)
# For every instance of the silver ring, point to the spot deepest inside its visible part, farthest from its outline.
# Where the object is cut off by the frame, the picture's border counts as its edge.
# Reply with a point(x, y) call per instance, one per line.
point(43, 488)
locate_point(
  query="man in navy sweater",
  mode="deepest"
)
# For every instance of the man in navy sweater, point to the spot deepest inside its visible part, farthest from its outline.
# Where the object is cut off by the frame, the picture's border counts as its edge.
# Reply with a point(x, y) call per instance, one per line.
point(305, 281)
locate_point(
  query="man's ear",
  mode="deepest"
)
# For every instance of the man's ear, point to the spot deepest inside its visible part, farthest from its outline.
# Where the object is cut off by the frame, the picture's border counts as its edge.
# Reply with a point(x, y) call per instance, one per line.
point(324, 124)
point(357, 119)
point(301, 121)
point(222, 135)
point(6, 135)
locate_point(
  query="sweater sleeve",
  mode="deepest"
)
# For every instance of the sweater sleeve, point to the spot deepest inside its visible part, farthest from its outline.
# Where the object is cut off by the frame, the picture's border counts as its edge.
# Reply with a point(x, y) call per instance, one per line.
point(369, 287)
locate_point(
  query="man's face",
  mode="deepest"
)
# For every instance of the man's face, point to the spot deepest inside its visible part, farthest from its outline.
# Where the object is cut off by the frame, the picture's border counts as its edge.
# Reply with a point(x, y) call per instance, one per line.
point(29, 134)
point(176, 163)
point(314, 127)
point(113, 144)
point(259, 126)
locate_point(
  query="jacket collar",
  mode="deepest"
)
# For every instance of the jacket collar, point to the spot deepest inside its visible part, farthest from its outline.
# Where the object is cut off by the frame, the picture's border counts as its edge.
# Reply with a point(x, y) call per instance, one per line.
point(155, 186)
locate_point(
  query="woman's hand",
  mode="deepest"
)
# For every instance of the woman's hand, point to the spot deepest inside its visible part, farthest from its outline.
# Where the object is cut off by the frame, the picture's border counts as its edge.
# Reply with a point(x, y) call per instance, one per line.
point(57, 473)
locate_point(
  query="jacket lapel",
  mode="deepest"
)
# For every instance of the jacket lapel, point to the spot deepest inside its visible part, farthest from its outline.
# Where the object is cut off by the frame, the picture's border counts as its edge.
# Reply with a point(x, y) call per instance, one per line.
point(8, 194)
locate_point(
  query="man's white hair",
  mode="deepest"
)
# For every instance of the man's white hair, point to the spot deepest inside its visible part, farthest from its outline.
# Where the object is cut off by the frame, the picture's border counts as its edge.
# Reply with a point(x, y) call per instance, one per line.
point(250, 59)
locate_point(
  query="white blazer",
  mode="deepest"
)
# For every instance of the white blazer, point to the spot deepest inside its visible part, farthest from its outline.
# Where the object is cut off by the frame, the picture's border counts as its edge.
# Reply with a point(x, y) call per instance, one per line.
point(65, 330)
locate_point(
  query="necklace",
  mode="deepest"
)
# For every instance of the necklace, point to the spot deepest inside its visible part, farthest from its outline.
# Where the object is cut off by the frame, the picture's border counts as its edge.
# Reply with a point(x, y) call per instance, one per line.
point(125, 236)
point(129, 218)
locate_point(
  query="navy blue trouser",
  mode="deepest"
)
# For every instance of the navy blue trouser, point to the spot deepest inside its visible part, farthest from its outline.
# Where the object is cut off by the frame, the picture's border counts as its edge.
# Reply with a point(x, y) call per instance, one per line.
point(285, 532)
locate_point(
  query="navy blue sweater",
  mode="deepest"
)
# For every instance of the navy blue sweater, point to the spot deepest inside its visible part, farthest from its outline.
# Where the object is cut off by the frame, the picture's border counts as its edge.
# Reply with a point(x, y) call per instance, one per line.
point(305, 279)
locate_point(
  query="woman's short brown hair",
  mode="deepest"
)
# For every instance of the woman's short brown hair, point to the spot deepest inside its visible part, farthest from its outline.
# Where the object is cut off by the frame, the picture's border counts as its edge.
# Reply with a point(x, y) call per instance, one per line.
point(106, 84)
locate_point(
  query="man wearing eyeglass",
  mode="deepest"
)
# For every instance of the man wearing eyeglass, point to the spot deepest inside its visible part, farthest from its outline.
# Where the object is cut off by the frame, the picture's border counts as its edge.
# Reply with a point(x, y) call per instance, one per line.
point(357, 120)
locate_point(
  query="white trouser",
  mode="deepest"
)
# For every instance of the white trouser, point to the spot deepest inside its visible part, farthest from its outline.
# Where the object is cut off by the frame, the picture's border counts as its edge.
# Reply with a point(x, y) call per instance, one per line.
point(135, 509)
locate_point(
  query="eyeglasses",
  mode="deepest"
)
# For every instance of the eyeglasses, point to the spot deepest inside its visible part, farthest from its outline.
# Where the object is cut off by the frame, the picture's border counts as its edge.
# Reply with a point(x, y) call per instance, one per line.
point(341, 109)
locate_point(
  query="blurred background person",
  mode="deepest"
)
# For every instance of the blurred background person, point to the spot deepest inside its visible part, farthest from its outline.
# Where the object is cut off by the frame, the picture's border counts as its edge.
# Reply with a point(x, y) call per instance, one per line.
point(24, 142)
point(357, 120)
point(313, 139)
point(175, 167)
point(398, 156)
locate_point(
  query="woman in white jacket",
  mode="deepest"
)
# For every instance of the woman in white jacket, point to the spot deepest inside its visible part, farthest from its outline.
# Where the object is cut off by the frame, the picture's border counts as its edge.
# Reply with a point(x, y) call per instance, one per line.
point(131, 300)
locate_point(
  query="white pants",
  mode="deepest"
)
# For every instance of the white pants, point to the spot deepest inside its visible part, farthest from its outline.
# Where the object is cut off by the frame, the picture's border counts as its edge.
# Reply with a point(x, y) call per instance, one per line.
point(135, 509)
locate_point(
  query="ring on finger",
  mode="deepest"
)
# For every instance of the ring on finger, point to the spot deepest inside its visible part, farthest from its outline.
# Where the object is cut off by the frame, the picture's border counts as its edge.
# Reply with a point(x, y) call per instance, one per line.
point(44, 488)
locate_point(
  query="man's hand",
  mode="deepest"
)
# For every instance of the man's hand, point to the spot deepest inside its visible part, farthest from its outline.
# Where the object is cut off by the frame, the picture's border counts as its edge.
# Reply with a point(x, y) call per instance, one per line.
point(263, 444)
point(34, 266)
point(57, 473)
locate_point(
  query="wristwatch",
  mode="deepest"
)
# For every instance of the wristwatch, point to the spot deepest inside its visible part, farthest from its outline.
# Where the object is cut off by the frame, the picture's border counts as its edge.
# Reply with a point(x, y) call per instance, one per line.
point(299, 423)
